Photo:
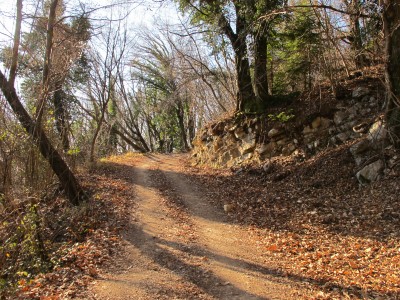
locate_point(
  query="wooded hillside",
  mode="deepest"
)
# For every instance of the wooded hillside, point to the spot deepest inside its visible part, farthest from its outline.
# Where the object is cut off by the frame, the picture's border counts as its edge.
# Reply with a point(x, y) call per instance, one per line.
point(235, 83)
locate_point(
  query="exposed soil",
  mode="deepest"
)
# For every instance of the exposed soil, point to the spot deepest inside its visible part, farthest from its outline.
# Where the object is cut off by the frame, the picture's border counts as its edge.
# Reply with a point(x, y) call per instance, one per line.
point(180, 246)
point(305, 230)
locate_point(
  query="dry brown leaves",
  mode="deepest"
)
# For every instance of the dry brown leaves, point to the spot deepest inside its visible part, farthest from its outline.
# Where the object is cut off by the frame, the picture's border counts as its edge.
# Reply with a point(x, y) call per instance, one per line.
point(78, 260)
point(315, 223)
point(312, 221)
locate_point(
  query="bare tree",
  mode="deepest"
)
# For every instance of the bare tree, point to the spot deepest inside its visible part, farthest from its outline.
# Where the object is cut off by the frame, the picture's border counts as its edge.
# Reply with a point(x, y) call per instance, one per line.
point(106, 66)
point(67, 179)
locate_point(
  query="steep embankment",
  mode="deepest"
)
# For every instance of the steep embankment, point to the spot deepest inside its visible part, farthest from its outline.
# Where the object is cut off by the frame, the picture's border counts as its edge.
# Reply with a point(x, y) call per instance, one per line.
point(304, 128)
point(319, 189)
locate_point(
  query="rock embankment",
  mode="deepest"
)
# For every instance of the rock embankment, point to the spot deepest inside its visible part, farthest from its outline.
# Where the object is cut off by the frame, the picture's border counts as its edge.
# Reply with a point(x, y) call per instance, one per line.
point(357, 121)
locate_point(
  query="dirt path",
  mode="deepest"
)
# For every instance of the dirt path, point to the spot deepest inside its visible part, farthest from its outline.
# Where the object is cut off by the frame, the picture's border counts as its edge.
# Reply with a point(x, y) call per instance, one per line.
point(178, 246)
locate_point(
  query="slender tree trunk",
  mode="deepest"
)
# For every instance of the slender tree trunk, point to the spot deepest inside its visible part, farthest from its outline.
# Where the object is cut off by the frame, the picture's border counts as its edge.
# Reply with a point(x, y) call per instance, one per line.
point(145, 147)
point(17, 37)
point(47, 62)
point(6, 175)
point(326, 25)
point(246, 98)
point(271, 74)
point(356, 44)
point(260, 67)
point(99, 123)
point(94, 139)
point(128, 140)
point(67, 178)
point(60, 115)
point(150, 133)
point(180, 113)
point(391, 21)
point(191, 129)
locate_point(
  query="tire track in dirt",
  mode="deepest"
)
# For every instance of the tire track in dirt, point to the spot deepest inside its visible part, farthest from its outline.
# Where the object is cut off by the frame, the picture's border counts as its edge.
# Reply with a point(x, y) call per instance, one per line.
point(189, 252)
point(231, 255)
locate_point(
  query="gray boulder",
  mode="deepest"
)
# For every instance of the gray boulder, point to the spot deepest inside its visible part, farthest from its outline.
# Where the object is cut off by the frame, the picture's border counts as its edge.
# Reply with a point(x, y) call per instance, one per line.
point(274, 132)
point(342, 137)
point(370, 172)
point(289, 149)
point(240, 133)
point(248, 143)
point(339, 117)
point(267, 150)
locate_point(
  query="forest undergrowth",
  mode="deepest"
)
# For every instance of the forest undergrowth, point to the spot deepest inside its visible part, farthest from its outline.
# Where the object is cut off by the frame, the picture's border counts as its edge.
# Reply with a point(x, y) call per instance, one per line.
point(53, 250)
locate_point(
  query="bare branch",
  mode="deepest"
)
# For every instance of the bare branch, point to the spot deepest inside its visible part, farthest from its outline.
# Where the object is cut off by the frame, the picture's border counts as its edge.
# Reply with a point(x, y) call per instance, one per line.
point(47, 61)
point(17, 36)
point(291, 8)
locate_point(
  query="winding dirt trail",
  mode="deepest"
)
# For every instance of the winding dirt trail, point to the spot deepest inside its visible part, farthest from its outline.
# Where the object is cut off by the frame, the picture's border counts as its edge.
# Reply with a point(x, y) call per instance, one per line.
point(179, 246)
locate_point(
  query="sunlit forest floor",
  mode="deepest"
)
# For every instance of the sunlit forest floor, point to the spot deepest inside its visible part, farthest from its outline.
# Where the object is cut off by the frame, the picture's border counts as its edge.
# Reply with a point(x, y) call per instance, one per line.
point(306, 230)
point(314, 220)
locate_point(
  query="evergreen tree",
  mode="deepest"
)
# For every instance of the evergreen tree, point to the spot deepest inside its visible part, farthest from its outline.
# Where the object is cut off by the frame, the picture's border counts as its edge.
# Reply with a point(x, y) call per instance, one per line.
point(242, 23)
point(299, 46)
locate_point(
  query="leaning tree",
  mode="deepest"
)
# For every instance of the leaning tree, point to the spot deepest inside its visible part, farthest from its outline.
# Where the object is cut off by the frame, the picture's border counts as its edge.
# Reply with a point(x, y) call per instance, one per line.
point(33, 126)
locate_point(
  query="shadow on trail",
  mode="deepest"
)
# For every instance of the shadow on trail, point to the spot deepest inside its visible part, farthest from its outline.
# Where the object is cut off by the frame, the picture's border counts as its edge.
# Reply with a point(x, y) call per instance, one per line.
point(276, 208)
point(159, 182)
point(209, 283)
point(271, 200)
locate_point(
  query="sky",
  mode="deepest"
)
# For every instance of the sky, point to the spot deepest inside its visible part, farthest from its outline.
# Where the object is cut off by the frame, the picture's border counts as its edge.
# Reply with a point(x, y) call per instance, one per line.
point(145, 14)
point(142, 13)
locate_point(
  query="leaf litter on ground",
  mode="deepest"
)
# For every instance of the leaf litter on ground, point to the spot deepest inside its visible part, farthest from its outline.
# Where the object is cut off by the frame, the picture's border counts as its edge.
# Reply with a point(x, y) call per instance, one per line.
point(315, 223)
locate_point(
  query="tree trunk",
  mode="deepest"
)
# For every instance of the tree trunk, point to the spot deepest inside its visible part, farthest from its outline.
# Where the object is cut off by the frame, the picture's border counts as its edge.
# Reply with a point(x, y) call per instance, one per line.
point(271, 74)
point(5, 173)
point(47, 62)
point(94, 139)
point(245, 100)
point(127, 140)
point(180, 113)
point(99, 122)
point(60, 115)
point(391, 20)
point(151, 134)
point(191, 129)
point(67, 179)
point(260, 67)
point(356, 43)
point(17, 38)
point(143, 142)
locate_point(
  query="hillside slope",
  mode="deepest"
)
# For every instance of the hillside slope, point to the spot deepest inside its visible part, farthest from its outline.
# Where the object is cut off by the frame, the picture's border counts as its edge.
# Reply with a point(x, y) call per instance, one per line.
point(293, 225)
